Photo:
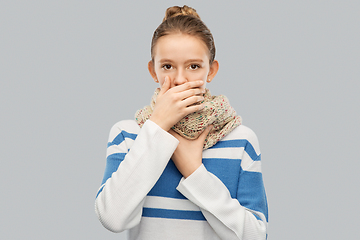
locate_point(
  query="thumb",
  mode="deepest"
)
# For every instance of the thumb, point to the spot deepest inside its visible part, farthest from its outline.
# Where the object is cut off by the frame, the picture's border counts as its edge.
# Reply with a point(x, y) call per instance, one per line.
point(205, 133)
point(165, 87)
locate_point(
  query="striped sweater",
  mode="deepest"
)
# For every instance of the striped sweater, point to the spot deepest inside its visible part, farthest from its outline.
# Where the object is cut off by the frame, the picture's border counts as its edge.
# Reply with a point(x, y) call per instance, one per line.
point(143, 191)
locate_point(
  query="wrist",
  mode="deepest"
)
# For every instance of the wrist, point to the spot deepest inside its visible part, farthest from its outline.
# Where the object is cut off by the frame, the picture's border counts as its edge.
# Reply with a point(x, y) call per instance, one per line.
point(190, 170)
point(160, 123)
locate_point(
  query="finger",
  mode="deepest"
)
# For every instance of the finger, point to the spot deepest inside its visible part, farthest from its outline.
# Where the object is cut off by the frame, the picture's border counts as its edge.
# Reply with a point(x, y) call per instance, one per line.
point(191, 92)
point(194, 100)
point(188, 85)
point(204, 134)
point(193, 108)
point(165, 87)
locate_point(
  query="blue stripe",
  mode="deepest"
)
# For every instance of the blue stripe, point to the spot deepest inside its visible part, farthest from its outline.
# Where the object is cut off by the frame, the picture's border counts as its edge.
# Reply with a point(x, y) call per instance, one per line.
point(173, 214)
point(257, 217)
point(121, 137)
point(237, 143)
point(231, 143)
point(227, 170)
point(100, 190)
point(251, 152)
point(112, 164)
point(167, 183)
point(249, 193)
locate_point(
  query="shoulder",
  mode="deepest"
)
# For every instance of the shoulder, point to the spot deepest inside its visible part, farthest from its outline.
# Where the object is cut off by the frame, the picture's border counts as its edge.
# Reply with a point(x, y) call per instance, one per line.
point(243, 132)
point(129, 124)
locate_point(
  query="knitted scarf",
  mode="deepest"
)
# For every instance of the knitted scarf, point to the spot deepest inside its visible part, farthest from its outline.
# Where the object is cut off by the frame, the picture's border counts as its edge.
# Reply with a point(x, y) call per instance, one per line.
point(217, 111)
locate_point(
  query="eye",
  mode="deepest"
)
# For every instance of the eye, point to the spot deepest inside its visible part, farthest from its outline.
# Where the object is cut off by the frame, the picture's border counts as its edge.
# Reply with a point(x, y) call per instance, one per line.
point(166, 66)
point(194, 66)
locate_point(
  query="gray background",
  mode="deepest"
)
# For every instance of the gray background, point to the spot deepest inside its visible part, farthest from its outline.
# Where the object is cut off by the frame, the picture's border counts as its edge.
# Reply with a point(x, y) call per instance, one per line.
point(70, 69)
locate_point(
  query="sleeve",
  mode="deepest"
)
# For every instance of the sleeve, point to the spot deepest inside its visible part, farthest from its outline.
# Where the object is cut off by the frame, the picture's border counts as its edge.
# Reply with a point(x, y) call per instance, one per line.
point(242, 218)
point(130, 174)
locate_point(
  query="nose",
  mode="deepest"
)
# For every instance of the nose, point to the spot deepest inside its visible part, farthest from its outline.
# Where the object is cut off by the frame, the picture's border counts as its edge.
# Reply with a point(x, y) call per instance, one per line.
point(180, 78)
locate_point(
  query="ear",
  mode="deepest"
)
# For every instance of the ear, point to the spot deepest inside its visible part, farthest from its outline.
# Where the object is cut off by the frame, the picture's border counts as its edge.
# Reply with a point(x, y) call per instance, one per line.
point(152, 70)
point(214, 68)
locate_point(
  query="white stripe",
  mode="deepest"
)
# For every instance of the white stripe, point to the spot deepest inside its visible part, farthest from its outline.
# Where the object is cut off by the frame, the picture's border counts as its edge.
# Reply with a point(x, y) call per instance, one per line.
point(123, 147)
point(111, 150)
point(169, 203)
point(174, 229)
point(129, 142)
point(259, 214)
point(230, 153)
point(247, 134)
point(246, 161)
point(130, 126)
point(254, 167)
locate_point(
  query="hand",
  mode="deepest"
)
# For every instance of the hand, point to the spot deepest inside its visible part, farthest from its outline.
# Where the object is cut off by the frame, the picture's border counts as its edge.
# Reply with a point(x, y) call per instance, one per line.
point(172, 104)
point(188, 154)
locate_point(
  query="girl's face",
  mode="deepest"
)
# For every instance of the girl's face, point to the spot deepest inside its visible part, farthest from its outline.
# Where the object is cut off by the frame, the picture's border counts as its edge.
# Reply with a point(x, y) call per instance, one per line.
point(183, 58)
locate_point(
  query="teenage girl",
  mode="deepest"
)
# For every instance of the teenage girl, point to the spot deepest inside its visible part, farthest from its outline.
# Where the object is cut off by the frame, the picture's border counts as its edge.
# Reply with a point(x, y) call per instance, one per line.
point(185, 168)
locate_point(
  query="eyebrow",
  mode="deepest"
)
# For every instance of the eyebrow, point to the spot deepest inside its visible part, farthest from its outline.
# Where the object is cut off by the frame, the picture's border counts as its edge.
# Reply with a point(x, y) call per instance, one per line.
point(194, 60)
point(190, 60)
point(164, 60)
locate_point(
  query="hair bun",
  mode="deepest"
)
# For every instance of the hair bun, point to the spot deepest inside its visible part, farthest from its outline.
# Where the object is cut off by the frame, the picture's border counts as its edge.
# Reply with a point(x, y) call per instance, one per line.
point(177, 11)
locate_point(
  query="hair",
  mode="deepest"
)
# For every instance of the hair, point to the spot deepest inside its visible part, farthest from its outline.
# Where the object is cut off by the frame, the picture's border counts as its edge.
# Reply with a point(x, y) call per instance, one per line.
point(184, 20)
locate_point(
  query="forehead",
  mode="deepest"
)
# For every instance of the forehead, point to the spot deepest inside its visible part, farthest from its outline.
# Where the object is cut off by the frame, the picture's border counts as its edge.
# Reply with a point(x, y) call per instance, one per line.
point(179, 47)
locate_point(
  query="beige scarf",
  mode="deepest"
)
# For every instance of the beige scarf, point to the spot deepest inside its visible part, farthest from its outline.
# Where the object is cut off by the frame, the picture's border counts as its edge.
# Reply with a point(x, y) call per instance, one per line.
point(217, 111)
